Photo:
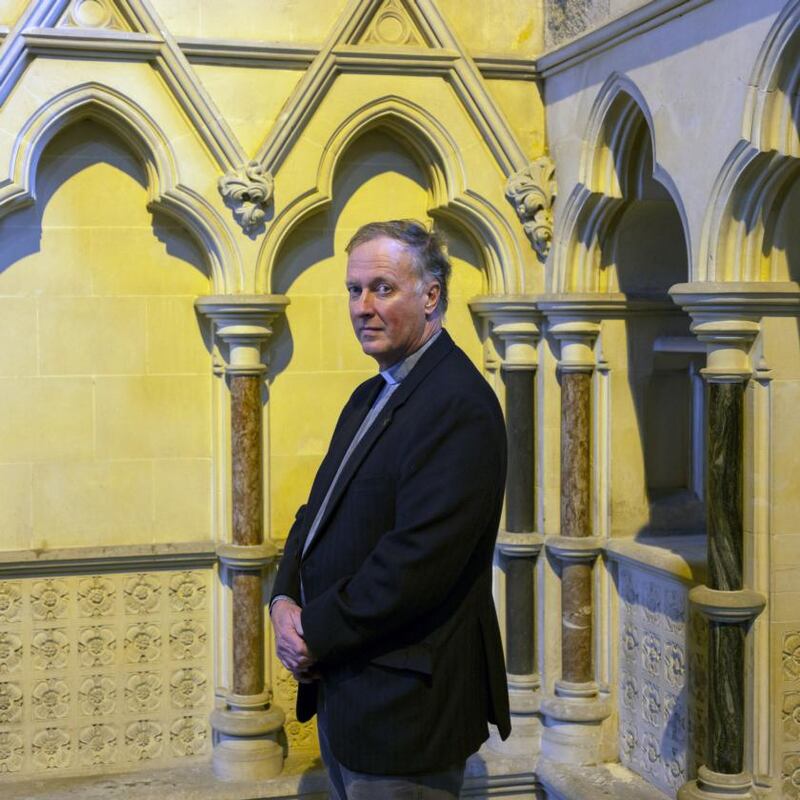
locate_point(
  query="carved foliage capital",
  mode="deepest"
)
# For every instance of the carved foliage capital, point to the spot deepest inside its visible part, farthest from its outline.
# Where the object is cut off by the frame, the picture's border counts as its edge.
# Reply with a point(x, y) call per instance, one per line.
point(532, 191)
point(248, 191)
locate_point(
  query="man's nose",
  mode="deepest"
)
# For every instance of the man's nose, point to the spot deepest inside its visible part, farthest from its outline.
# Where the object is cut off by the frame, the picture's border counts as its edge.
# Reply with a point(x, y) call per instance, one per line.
point(364, 306)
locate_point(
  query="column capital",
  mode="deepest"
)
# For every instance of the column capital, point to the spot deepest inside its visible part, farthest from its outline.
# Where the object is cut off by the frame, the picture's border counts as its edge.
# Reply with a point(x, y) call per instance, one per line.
point(244, 323)
point(726, 316)
point(574, 320)
point(517, 322)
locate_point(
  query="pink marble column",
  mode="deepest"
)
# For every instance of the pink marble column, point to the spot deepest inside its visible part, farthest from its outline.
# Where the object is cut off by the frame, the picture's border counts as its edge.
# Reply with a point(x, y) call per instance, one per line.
point(249, 727)
point(574, 712)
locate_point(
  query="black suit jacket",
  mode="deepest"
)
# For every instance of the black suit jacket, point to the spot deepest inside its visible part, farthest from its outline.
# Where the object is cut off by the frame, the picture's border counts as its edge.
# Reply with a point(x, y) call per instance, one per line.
point(397, 581)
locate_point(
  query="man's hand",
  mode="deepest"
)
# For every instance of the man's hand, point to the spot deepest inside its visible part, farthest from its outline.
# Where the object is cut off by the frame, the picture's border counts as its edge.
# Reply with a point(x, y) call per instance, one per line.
point(292, 650)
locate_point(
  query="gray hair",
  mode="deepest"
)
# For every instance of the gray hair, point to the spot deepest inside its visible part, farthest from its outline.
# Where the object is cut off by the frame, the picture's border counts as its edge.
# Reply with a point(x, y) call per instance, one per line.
point(426, 247)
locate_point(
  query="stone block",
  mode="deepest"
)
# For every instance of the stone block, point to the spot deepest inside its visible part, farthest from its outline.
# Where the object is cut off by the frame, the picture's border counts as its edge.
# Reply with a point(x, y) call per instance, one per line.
point(153, 416)
point(45, 418)
point(83, 503)
point(91, 335)
point(51, 262)
point(176, 337)
point(18, 335)
point(15, 506)
point(182, 494)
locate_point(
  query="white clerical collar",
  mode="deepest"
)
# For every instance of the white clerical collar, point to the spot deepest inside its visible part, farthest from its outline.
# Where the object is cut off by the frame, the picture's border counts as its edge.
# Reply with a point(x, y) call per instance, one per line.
point(399, 371)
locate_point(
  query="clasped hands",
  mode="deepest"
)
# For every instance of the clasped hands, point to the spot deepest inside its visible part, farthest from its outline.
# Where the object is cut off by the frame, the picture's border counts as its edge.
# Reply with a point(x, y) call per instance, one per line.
point(292, 649)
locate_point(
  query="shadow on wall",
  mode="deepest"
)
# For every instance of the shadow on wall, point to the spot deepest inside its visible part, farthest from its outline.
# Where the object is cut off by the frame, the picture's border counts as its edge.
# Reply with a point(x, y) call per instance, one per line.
point(81, 146)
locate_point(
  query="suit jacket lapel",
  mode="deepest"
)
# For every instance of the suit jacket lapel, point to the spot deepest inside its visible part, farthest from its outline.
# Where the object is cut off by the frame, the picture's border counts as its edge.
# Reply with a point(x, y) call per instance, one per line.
point(437, 351)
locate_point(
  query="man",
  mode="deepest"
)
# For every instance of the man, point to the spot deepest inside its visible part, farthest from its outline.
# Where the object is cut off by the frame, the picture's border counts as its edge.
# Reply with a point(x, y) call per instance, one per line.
point(382, 604)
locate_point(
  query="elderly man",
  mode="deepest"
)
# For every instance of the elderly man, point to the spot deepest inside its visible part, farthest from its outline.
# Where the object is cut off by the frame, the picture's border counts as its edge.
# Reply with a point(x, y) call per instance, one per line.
point(382, 605)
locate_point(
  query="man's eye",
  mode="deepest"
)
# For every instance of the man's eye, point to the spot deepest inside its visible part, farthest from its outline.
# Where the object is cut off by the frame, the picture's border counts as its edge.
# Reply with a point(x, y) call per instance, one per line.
point(353, 291)
point(383, 289)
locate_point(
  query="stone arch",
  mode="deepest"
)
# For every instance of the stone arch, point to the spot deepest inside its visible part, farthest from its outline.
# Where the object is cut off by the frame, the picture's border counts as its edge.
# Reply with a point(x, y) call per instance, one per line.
point(621, 184)
point(746, 236)
point(139, 132)
point(422, 135)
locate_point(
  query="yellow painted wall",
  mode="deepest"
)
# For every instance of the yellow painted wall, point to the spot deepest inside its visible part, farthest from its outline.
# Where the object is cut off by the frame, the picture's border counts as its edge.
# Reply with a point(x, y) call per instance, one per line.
point(104, 373)
point(316, 361)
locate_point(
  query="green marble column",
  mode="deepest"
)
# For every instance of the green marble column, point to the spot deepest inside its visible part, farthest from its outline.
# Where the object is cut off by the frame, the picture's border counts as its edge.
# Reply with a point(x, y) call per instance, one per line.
point(725, 570)
point(520, 515)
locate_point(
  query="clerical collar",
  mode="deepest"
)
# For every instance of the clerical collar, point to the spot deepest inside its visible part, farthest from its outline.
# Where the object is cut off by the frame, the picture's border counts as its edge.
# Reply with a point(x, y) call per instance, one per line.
point(397, 372)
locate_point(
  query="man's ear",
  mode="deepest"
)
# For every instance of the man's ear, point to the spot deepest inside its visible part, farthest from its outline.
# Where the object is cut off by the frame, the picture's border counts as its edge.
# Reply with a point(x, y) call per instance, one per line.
point(433, 295)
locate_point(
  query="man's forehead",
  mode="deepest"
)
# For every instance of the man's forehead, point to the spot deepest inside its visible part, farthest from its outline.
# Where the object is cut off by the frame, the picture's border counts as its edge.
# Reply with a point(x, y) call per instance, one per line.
point(379, 256)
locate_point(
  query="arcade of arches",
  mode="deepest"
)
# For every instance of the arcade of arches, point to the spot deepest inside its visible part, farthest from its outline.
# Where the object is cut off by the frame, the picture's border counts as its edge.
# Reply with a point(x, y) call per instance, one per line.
point(618, 182)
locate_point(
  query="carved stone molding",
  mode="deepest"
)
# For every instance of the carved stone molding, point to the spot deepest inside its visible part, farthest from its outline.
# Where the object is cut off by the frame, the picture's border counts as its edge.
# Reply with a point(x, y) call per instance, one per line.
point(532, 191)
point(248, 191)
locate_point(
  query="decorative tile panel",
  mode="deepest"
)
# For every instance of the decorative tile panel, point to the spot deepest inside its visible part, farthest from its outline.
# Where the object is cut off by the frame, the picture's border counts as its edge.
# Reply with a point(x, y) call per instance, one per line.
point(661, 692)
point(103, 672)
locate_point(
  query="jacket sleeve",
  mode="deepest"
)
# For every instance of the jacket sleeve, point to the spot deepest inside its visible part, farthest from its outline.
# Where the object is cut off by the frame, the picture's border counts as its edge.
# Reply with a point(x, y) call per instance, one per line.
point(287, 581)
point(448, 498)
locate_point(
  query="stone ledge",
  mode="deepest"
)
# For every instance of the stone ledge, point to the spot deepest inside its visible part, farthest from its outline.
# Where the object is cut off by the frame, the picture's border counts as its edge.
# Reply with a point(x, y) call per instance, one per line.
point(489, 775)
point(612, 781)
point(681, 556)
point(107, 558)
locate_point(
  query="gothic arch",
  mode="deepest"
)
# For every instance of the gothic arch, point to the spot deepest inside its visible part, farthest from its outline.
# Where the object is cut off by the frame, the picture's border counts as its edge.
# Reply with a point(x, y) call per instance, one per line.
point(143, 136)
point(743, 235)
point(619, 167)
point(450, 197)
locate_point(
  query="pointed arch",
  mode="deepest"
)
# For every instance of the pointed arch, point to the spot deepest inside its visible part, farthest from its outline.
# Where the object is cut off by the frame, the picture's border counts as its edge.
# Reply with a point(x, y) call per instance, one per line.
point(763, 167)
point(618, 163)
point(439, 157)
point(772, 111)
point(139, 131)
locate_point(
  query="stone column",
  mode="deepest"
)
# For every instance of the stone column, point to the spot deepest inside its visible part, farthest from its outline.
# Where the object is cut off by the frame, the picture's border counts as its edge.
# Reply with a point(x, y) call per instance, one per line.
point(249, 727)
point(574, 713)
point(516, 324)
point(728, 331)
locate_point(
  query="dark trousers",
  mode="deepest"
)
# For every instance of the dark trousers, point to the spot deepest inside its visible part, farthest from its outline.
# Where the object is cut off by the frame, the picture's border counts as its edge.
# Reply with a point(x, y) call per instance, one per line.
point(349, 785)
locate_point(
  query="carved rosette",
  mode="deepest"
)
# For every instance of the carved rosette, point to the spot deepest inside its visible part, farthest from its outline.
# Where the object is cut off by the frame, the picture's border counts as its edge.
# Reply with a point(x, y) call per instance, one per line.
point(52, 748)
point(532, 192)
point(49, 599)
point(187, 640)
point(50, 699)
point(248, 191)
point(50, 649)
point(12, 752)
point(144, 739)
point(96, 596)
point(10, 601)
point(10, 652)
point(143, 692)
point(141, 594)
point(187, 592)
point(661, 700)
point(96, 646)
point(104, 669)
point(188, 736)
point(97, 696)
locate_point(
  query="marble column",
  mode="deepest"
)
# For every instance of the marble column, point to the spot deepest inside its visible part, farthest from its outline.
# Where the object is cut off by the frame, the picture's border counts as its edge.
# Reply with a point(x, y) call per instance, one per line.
point(729, 606)
point(249, 727)
point(514, 325)
point(574, 712)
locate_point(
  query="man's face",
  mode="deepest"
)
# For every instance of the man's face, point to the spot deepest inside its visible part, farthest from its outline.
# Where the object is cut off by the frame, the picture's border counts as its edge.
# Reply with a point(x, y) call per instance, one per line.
point(390, 316)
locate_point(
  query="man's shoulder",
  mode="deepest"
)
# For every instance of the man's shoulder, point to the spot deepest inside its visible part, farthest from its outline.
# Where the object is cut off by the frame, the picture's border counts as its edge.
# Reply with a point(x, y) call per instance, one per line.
point(456, 377)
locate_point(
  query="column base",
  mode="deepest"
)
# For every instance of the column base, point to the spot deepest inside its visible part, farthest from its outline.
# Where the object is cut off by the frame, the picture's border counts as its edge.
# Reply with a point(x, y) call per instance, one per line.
point(718, 786)
point(573, 724)
point(249, 734)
